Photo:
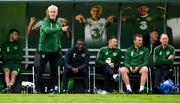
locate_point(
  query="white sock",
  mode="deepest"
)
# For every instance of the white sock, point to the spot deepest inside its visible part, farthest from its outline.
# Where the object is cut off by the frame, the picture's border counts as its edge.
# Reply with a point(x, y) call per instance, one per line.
point(129, 87)
point(141, 88)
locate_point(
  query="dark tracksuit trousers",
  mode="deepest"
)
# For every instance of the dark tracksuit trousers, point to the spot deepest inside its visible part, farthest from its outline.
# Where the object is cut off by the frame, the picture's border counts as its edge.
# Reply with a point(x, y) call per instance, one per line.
point(160, 74)
point(69, 73)
point(108, 75)
point(52, 58)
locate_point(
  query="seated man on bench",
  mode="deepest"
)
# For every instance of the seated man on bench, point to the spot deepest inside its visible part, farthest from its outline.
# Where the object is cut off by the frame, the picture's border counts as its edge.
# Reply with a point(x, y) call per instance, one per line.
point(12, 55)
point(76, 61)
point(136, 61)
point(108, 62)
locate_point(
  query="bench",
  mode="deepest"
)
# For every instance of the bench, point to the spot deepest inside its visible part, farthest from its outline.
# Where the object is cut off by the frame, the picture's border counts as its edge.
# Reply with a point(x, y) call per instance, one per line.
point(29, 55)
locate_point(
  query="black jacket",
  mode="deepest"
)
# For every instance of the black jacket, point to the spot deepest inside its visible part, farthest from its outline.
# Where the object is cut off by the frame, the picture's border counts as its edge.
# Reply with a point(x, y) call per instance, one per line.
point(77, 59)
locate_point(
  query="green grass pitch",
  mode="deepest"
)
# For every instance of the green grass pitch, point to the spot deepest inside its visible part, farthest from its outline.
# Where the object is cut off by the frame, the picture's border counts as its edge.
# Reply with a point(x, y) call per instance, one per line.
point(88, 98)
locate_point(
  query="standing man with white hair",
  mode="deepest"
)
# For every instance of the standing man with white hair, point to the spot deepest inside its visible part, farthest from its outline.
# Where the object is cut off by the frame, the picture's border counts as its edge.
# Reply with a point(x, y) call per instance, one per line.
point(49, 47)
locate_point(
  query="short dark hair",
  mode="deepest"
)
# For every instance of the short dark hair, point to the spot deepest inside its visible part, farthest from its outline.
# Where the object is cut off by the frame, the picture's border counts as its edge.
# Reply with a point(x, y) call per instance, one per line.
point(79, 40)
point(13, 30)
point(112, 37)
point(137, 35)
point(96, 6)
point(142, 5)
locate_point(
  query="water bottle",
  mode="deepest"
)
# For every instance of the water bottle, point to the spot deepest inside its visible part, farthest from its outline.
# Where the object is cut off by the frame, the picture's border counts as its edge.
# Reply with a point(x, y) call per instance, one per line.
point(108, 60)
point(56, 90)
point(70, 84)
point(116, 77)
point(45, 90)
point(176, 89)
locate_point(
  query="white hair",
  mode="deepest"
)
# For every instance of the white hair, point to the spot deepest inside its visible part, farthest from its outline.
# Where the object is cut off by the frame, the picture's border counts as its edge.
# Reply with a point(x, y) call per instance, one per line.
point(51, 7)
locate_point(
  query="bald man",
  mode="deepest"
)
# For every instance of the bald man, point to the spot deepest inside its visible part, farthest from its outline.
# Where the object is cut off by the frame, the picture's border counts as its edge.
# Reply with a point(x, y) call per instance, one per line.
point(163, 59)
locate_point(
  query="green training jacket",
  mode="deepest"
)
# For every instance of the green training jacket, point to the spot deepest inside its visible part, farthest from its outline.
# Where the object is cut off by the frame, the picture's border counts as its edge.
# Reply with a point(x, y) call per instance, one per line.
point(136, 57)
point(12, 52)
point(50, 39)
point(161, 55)
point(107, 54)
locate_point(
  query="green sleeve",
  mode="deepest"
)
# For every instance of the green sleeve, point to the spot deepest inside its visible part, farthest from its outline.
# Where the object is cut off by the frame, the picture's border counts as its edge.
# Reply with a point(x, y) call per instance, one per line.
point(170, 61)
point(146, 58)
point(19, 54)
point(99, 58)
point(127, 58)
point(46, 28)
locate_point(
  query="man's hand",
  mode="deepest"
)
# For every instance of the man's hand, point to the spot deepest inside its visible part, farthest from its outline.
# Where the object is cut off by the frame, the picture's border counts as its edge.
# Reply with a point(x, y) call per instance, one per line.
point(32, 20)
point(80, 18)
point(65, 28)
point(127, 8)
point(111, 18)
point(75, 70)
point(111, 65)
point(171, 57)
point(161, 8)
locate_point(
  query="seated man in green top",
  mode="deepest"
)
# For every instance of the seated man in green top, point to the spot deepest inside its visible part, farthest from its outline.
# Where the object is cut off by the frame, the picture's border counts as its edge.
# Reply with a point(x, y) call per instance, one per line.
point(163, 58)
point(12, 54)
point(136, 61)
point(108, 61)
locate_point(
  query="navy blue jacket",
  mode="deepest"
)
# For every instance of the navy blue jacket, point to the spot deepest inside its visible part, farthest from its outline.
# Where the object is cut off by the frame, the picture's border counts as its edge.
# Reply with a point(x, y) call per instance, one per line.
point(76, 59)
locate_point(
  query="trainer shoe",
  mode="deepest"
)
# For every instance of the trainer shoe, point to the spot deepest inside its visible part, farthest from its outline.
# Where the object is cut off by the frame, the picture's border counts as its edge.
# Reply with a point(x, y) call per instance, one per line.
point(128, 92)
point(55, 91)
point(65, 91)
point(86, 91)
point(99, 91)
point(104, 92)
point(142, 92)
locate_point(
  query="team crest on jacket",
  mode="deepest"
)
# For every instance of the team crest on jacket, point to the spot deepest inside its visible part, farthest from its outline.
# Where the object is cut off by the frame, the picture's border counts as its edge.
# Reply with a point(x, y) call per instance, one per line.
point(83, 54)
point(141, 52)
point(149, 19)
point(168, 52)
point(160, 53)
point(106, 53)
point(15, 47)
point(7, 49)
point(114, 54)
point(18, 69)
point(132, 53)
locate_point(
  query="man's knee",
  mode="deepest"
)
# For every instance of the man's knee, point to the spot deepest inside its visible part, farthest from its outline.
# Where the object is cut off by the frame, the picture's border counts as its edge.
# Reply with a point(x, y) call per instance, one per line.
point(143, 70)
point(15, 73)
point(123, 70)
point(6, 70)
